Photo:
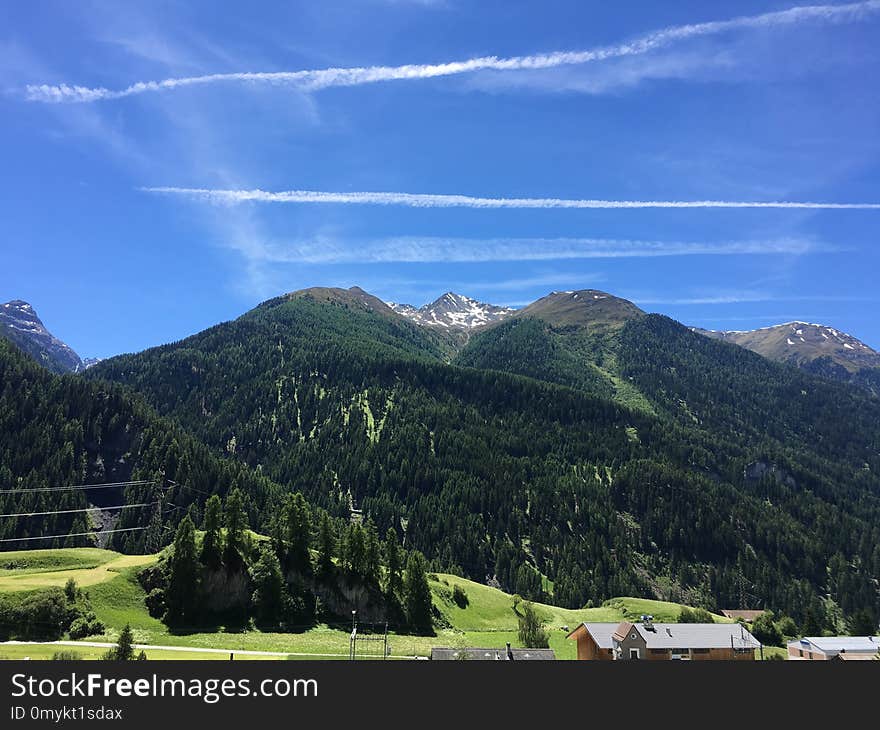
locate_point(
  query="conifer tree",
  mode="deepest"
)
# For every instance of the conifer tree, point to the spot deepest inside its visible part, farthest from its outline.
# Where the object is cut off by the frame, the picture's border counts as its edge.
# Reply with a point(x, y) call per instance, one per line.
point(372, 554)
point(124, 649)
point(417, 594)
point(268, 597)
point(236, 522)
point(394, 564)
point(212, 545)
point(355, 551)
point(296, 524)
point(326, 546)
point(181, 596)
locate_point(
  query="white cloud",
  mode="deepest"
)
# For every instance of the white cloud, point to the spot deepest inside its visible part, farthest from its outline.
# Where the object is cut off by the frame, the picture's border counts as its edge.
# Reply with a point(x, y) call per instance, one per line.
point(743, 297)
point(317, 79)
point(421, 200)
point(324, 249)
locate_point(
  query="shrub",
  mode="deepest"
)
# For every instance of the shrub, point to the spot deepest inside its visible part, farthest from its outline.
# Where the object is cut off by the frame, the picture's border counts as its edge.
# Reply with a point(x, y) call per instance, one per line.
point(155, 602)
point(66, 656)
point(766, 631)
point(532, 633)
point(787, 626)
point(695, 616)
point(84, 626)
point(460, 596)
point(43, 615)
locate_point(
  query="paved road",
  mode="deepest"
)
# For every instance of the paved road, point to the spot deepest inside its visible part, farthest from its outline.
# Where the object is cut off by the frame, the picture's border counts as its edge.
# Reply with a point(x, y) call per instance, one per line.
point(225, 652)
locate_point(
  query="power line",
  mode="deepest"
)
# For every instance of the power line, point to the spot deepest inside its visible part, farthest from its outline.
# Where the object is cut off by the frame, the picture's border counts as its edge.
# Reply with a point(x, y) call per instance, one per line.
point(86, 509)
point(72, 534)
point(78, 486)
point(186, 486)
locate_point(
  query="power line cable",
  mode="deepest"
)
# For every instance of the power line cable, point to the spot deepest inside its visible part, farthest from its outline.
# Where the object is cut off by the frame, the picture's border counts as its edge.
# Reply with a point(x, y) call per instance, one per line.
point(186, 486)
point(72, 534)
point(87, 509)
point(78, 486)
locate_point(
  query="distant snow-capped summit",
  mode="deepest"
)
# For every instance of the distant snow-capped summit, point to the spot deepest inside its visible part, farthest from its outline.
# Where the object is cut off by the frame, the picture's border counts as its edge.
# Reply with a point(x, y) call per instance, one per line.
point(453, 312)
point(801, 343)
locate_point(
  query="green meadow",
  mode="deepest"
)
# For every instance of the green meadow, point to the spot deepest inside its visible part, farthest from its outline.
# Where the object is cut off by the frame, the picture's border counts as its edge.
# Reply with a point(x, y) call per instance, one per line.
point(486, 619)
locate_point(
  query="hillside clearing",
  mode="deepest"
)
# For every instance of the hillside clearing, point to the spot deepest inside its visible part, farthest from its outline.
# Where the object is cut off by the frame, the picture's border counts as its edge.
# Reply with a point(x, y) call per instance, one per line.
point(87, 566)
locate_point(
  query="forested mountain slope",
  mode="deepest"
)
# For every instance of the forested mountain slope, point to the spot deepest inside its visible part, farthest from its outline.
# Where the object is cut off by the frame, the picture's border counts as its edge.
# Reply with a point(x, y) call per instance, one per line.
point(677, 466)
point(816, 348)
point(64, 430)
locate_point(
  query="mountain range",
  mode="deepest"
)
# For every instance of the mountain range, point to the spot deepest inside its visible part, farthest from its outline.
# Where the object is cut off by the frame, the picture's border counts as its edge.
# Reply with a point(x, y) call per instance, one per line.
point(817, 348)
point(578, 447)
point(814, 347)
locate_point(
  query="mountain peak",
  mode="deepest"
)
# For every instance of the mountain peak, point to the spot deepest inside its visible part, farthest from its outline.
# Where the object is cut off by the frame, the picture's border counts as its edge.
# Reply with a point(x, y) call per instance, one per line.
point(583, 308)
point(351, 297)
point(452, 311)
point(801, 343)
point(20, 324)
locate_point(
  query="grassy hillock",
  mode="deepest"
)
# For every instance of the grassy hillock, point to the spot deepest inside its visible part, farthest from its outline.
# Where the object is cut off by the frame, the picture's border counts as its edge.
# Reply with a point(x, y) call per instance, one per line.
point(29, 570)
point(36, 561)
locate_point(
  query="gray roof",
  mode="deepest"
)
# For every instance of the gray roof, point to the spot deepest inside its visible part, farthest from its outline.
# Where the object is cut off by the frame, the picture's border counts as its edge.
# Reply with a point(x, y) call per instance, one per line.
point(680, 636)
point(698, 636)
point(473, 653)
point(601, 633)
point(837, 644)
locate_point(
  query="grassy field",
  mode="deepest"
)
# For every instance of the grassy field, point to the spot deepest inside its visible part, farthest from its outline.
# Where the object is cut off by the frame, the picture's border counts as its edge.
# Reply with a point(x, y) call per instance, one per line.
point(492, 610)
point(47, 651)
point(27, 570)
point(40, 561)
point(487, 620)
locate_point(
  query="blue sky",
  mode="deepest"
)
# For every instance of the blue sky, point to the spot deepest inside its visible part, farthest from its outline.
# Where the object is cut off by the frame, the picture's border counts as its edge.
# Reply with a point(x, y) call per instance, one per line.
point(767, 108)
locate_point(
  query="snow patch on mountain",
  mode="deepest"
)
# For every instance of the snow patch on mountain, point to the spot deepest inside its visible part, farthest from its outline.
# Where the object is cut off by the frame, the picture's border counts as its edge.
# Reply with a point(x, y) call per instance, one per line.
point(453, 312)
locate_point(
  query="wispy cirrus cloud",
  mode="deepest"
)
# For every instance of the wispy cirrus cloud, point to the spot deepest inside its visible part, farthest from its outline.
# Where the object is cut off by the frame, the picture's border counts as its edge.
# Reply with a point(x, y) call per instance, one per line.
point(427, 200)
point(333, 250)
point(743, 297)
point(318, 79)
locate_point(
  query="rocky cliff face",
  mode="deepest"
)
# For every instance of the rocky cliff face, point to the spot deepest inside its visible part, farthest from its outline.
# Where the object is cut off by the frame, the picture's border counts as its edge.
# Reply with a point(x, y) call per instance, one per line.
point(20, 324)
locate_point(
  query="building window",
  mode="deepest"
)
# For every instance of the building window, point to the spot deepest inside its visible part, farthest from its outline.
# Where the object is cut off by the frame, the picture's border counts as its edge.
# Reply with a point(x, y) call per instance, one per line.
point(635, 654)
point(700, 651)
point(658, 651)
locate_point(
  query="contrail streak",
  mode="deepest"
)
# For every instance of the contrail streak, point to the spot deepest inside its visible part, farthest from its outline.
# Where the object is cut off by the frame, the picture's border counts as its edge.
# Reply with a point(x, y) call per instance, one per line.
point(316, 79)
point(417, 200)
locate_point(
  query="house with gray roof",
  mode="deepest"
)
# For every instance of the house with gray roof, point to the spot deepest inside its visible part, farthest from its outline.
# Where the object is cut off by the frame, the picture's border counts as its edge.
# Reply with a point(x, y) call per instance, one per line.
point(663, 641)
point(844, 648)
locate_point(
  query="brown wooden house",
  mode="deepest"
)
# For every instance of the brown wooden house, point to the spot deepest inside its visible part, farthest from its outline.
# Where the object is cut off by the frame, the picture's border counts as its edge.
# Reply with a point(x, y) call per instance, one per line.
point(649, 641)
